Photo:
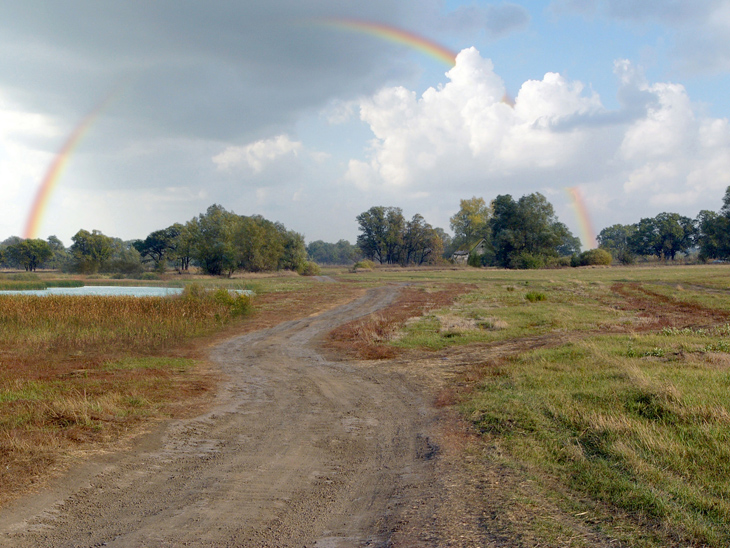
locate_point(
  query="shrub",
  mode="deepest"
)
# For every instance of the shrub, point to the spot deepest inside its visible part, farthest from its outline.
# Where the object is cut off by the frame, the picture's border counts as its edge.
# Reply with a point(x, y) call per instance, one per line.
point(595, 257)
point(309, 268)
point(534, 296)
point(527, 261)
point(365, 264)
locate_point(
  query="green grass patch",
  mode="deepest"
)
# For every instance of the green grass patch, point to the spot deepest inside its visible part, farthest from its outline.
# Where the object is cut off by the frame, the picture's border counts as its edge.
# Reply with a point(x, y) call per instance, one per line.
point(535, 296)
point(646, 436)
point(22, 285)
point(64, 283)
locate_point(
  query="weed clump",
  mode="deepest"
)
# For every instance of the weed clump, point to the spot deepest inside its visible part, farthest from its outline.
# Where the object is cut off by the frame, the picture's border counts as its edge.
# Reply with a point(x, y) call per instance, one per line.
point(365, 264)
point(534, 296)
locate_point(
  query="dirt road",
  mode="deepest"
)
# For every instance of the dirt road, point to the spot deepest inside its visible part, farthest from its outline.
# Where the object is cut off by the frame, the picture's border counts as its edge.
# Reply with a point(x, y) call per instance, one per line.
point(296, 451)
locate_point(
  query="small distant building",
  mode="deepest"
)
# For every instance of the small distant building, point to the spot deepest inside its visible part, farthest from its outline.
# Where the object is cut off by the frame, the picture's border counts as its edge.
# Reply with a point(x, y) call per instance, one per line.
point(462, 255)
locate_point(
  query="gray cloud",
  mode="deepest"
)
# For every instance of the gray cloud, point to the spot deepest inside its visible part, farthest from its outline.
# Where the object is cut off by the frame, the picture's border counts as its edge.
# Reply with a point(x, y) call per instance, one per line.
point(218, 70)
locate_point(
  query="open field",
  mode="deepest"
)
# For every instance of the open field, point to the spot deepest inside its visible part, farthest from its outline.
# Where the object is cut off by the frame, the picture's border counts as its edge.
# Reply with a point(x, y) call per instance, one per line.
point(579, 407)
point(598, 399)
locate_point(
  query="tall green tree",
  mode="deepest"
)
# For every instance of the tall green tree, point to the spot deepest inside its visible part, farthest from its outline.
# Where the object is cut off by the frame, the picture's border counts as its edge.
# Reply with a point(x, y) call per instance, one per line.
point(294, 252)
point(124, 258)
point(30, 254)
point(214, 247)
point(526, 232)
point(90, 251)
point(664, 236)
point(569, 244)
point(713, 231)
point(159, 245)
point(471, 223)
point(259, 244)
point(341, 253)
point(61, 255)
point(184, 249)
point(713, 235)
point(420, 242)
point(381, 237)
point(616, 239)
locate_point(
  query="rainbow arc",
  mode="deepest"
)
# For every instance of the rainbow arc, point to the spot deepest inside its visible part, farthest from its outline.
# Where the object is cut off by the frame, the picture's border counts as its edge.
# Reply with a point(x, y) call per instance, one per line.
point(584, 220)
point(57, 166)
point(395, 35)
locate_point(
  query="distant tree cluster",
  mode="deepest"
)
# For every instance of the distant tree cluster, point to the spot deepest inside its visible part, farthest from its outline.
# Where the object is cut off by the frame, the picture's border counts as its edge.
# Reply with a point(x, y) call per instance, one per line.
point(670, 234)
point(388, 238)
point(221, 242)
point(218, 241)
point(522, 233)
point(340, 253)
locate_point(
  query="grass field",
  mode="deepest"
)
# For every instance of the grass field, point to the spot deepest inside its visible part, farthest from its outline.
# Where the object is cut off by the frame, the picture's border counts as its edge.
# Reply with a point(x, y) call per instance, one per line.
point(597, 399)
point(602, 396)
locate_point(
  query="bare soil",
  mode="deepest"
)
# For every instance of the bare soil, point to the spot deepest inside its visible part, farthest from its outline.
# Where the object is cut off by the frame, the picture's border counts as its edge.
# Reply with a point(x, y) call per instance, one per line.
point(296, 450)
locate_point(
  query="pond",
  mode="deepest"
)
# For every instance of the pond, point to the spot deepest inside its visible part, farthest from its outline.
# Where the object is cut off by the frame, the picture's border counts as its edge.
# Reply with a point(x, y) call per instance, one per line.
point(101, 290)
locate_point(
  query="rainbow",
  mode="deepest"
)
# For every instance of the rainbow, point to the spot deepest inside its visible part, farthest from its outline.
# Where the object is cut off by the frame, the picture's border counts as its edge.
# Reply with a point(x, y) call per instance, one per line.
point(57, 166)
point(584, 220)
point(399, 36)
point(393, 34)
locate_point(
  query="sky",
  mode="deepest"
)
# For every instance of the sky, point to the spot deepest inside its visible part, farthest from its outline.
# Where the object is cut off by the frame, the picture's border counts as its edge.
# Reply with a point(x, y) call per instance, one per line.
point(282, 108)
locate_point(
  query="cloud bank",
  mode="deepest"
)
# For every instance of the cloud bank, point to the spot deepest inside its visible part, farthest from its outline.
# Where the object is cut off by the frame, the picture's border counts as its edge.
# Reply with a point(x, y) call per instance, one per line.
point(658, 149)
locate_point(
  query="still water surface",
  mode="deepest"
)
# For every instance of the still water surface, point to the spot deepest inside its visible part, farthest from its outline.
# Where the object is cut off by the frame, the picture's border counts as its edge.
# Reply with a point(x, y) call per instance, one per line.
point(101, 290)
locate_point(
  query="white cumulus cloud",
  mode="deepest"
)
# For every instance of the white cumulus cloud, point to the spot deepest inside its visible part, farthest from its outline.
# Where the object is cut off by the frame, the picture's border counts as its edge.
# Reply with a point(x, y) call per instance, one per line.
point(257, 155)
point(658, 149)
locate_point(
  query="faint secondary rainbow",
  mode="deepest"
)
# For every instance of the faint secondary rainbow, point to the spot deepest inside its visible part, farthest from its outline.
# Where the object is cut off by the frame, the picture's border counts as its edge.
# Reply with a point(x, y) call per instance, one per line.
point(393, 34)
point(55, 170)
point(584, 220)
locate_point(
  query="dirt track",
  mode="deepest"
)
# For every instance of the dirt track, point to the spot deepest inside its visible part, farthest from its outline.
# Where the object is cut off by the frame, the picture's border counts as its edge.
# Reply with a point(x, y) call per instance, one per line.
point(296, 451)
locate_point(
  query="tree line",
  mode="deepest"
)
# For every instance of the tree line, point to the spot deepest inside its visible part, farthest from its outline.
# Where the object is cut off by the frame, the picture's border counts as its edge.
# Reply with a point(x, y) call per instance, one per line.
point(670, 234)
point(218, 241)
point(523, 233)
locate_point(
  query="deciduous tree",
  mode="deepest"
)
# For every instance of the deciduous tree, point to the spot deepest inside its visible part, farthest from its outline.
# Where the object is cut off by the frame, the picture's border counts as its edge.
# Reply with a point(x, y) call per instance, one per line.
point(90, 251)
point(30, 254)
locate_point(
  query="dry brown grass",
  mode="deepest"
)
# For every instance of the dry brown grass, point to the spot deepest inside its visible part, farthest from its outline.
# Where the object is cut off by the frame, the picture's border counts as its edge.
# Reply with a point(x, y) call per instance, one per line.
point(79, 373)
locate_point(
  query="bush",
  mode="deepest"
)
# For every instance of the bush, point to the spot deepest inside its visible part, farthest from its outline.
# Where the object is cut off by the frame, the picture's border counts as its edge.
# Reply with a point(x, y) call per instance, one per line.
point(527, 261)
point(557, 262)
point(238, 303)
point(595, 257)
point(309, 268)
point(365, 264)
